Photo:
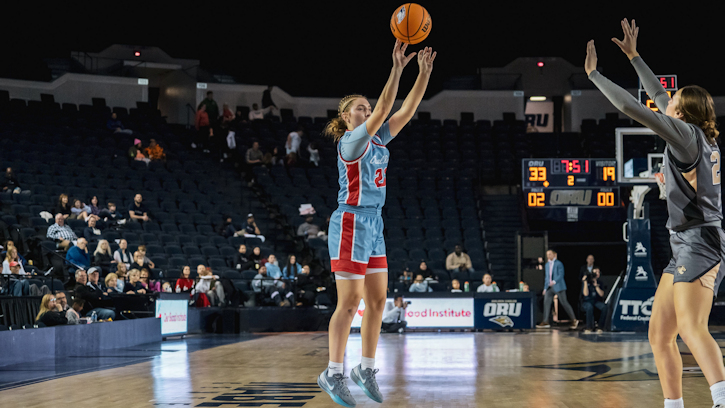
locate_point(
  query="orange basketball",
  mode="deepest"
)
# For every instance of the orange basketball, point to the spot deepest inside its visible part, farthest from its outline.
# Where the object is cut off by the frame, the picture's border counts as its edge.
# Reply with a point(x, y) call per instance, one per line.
point(411, 23)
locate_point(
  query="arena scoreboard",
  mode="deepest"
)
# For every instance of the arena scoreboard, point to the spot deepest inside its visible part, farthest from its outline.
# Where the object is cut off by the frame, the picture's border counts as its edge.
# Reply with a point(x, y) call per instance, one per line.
point(560, 182)
point(669, 82)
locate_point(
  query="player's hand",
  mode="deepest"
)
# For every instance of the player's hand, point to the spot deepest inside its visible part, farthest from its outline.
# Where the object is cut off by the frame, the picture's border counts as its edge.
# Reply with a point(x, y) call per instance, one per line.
point(590, 63)
point(400, 60)
point(425, 60)
point(628, 44)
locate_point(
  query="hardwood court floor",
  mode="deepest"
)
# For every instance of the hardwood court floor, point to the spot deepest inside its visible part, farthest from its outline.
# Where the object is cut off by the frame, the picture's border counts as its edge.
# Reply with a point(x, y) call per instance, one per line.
point(534, 369)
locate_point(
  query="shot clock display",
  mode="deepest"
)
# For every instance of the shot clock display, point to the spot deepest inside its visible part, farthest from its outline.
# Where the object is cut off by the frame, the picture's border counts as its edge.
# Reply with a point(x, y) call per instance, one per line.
point(570, 182)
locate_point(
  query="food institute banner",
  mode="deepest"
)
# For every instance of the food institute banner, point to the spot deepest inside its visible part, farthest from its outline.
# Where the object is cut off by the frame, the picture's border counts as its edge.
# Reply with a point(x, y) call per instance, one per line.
point(431, 312)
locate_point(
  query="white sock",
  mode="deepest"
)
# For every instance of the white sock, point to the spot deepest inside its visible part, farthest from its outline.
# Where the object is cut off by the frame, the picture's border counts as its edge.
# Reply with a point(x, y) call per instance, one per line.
point(718, 393)
point(678, 403)
point(334, 368)
point(367, 363)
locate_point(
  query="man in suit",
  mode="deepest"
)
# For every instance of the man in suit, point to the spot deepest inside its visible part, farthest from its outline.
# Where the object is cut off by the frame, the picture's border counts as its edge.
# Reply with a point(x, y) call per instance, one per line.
point(554, 285)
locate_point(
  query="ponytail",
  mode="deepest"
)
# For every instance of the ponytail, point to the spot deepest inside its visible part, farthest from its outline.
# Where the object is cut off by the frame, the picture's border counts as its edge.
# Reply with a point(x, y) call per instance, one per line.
point(709, 127)
point(337, 127)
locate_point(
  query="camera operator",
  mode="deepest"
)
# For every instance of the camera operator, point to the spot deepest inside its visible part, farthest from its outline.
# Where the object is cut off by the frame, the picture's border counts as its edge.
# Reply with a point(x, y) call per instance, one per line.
point(593, 293)
point(394, 317)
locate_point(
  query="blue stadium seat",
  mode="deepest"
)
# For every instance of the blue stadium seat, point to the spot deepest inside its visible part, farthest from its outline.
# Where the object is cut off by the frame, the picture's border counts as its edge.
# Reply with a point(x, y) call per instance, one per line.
point(172, 250)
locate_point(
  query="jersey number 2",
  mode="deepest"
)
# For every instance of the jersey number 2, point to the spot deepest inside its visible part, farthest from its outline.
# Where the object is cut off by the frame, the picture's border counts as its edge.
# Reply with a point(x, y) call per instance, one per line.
point(715, 158)
point(381, 177)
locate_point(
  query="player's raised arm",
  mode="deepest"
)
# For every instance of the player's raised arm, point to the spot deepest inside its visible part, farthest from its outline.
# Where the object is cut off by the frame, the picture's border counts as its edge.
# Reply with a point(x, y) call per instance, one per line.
point(387, 97)
point(411, 102)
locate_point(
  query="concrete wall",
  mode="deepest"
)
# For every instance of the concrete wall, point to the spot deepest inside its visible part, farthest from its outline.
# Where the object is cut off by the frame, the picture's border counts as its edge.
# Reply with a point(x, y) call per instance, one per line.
point(80, 88)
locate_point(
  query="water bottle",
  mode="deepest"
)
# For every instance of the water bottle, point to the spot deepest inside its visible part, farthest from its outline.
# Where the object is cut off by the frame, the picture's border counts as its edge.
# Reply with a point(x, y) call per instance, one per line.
point(466, 287)
point(521, 286)
point(94, 317)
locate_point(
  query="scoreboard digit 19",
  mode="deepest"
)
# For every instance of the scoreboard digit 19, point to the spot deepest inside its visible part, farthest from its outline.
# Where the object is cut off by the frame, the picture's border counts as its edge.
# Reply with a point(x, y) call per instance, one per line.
point(570, 183)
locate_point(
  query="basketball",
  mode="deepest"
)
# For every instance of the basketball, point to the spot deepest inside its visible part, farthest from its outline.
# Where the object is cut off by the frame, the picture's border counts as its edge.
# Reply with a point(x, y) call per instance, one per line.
point(411, 23)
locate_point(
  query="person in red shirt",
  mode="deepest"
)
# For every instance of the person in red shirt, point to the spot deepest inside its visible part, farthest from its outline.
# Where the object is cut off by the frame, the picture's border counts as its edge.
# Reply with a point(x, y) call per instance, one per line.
point(203, 126)
point(185, 283)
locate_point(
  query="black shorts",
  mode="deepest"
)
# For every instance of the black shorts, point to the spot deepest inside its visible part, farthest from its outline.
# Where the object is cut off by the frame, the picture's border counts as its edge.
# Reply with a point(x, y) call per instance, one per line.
point(696, 252)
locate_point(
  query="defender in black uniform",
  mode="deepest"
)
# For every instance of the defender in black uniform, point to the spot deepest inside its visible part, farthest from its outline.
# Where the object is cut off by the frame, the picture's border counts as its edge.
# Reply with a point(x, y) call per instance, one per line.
point(692, 176)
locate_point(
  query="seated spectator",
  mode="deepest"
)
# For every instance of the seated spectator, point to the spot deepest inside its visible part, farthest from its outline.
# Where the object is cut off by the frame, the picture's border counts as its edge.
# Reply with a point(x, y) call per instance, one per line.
point(95, 210)
point(251, 229)
point(110, 215)
point(488, 286)
point(307, 229)
point(272, 159)
point(121, 271)
point(282, 295)
point(314, 153)
point(137, 211)
point(210, 285)
point(230, 229)
point(427, 273)
point(166, 288)
point(10, 183)
point(254, 156)
point(241, 259)
point(91, 232)
point(255, 259)
point(261, 283)
point(88, 289)
point(62, 234)
point(62, 300)
point(151, 286)
point(458, 261)
point(406, 276)
point(122, 255)
point(419, 285)
point(102, 256)
point(50, 313)
point(456, 286)
point(273, 270)
point(146, 260)
point(185, 283)
point(78, 255)
point(593, 296)
point(17, 284)
point(136, 152)
point(111, 282)
point(12, 256)
point(134, 285)
point(271, 288)
point(79, 210)
point(154, 151)
point(74, 313)
point(294, 139)
point(138, 261)
point(256, 113)
point(306, 288)
point(394, 315)
point(63, 206)
point(291, 268)
point(114, 125)
point(227, 115)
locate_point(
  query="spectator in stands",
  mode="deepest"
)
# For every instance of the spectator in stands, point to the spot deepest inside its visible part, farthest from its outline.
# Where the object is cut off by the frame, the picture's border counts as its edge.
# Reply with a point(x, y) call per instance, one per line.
point(136, 152)
point(95, 210)
point(587, 268)
point(134, 285)
point(62, 300)
point(154, 151)
point(394, 315)
point(96, 300)
point(17, 285)
point(257, 113)
point(458, 261)
point(488, 286)
point(122, 256)
point(10, 244)
point(210, 285)
point(314, 153)
point(255, 258)
point(12, 256)
point(273, 269)
point(74, 313)
point(11, 184)
point(78, 255)
point(261, 283)
point(63, 206)
point(121, 271)
point(306, 288)
point(241, 259)
point(114, 125)
point(137, 212)
point(151, 285)
point(307, 229)
point(212, 109)
point(267, 97)
point(227, 115)
point(146, 259)
point(593, 294)
point(251, 229)
point(50, 313)
point(254, 155)
point(110, 215)
point(203, 127)
point(62, 234)
point(294, 140)
point(420, 285)
point(291, 268)
point(282, 294)
point(111, 283)
point(184, 283)
point(456, 286)
point(91, 233)
point(138, 261)
point(406, 276)
point(230, 230)
point(102, 256)
point(427, 273)
point(554, 285)
point(79, 210)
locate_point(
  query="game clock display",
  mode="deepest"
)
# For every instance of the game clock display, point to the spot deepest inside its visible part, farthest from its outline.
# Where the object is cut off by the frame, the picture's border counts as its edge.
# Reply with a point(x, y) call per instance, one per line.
point(570, 182)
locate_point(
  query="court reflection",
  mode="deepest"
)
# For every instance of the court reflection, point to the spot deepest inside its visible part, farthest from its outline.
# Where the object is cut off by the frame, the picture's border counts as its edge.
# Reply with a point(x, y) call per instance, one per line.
point(170, 372)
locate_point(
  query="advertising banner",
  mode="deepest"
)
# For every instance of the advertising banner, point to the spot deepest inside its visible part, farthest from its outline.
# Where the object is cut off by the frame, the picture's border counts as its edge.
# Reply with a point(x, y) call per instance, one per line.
point(173, 315)
point(504, 313)
point(425, 312)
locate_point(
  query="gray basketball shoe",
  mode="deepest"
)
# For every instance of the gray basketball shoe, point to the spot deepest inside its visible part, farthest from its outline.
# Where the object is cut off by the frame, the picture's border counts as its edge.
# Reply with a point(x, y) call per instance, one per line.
point(336, 387)
point(366, 380)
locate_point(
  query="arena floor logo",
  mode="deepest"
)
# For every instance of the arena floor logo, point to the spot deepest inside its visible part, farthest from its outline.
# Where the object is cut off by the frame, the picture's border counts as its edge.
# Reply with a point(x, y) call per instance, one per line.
point(261, 394)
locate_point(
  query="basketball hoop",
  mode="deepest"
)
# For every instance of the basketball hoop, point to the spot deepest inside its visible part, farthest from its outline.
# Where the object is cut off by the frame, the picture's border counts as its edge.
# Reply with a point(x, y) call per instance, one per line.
point(637, 198)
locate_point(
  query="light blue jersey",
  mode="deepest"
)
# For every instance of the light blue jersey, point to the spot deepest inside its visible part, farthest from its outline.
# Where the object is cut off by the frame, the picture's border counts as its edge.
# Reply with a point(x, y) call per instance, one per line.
point(362, 180)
